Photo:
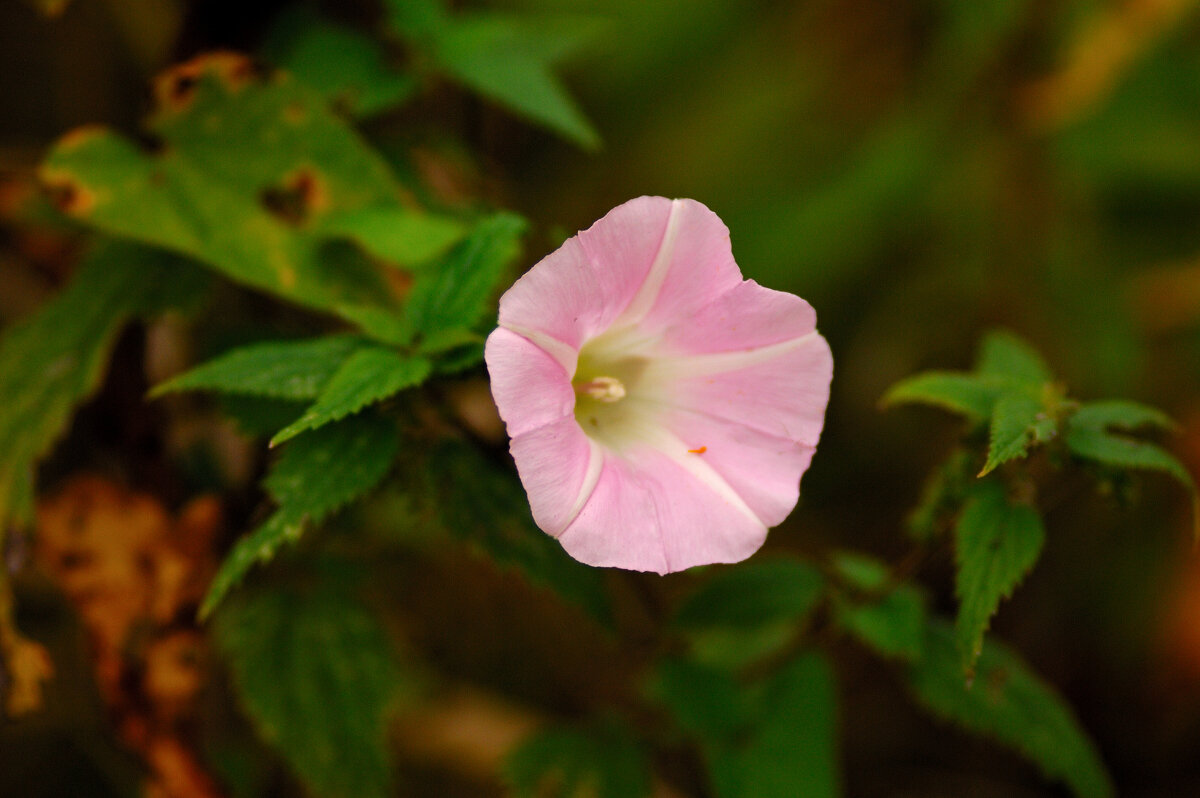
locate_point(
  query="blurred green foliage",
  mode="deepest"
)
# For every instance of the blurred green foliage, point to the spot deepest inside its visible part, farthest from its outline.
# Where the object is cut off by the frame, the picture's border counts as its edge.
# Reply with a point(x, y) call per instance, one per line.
point(366, 184)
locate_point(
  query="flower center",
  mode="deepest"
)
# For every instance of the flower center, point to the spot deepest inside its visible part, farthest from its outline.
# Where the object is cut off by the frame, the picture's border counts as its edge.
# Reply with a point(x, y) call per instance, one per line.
point(607, 385)
point(604, 389)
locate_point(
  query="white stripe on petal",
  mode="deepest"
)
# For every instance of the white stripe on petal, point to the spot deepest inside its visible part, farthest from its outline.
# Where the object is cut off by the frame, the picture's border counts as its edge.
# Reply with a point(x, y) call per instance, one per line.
point(667, 444)
point(647, 294)
point(564, 353)
point(588, 486)
point(670, 366)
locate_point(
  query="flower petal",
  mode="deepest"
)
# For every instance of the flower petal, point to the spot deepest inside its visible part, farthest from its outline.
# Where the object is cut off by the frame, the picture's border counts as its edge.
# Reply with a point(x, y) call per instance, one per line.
point(559, 467)
point(577, 291)
point(764, 470)
point(693, 266)
point(781, 390)
point(745, 317)
point(530, 387)
point(650, 512)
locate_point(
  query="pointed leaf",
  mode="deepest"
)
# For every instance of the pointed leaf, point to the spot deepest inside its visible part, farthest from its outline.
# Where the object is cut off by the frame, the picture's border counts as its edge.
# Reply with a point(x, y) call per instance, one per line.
point(792, 749)
point(319, 473)
point(705, 702)
point(753, 594)
point(397, 234)
point(470, 498)
point(369, 375)
point(315, 672)
point(504, 59)
point(1016, 419)
point(278, 369)
point(54, 359)
point(1010, 704)
point(892, 625)
point(971, 395)
point(448, 301)
point(1121, 414)
point(996, 545)
point(1120, 451)
point(247, 169)
point(314, 476)
point(349, 68)
point(1003, 354)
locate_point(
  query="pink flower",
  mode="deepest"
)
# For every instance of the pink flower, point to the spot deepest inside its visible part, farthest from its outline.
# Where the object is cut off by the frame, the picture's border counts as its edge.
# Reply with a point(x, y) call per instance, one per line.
point(661, 408)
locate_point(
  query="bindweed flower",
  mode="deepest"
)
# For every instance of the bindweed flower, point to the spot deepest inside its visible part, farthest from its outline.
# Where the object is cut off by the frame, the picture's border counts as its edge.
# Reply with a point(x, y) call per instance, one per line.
point(662, 409)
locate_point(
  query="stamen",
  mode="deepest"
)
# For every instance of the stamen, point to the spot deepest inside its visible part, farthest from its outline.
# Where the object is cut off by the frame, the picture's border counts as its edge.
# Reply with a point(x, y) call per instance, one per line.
point(604, 389)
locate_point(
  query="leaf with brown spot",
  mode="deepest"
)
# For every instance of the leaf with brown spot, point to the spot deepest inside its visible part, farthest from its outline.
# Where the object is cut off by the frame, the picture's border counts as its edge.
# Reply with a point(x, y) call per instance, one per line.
point(247, 168)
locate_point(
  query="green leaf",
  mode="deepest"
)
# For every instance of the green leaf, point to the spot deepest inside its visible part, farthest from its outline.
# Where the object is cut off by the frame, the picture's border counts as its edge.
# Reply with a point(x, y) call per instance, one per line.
point(755, 594)
point(1017, 419)
point(601, 760)
point(707, 703)
point(892, 625)
point(996, 545)
point(1003, 354)
point(398, 235)
point(246, 171)
point(369, 375)
point(348, 68)
point(415, 19)
point(459, 490)
point(792, 748)
point(508, 59)
point(54, 359)
point(1119, 451)
point(863, 573)
point(314, 476)
point(1010, 704)
point(259, 416)
point(968, 394)
point(449, 301)
point(321, 472)
point(278, 369)
point(942, 496)
point(315, 672)
point(1121, 414)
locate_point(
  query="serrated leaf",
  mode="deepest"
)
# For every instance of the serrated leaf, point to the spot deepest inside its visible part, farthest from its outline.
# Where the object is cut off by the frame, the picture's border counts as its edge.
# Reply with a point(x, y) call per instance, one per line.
point(1121, 414)
point(941, 496)
point(1003, 354)
point(313, 476)
point(971, 395)
point(467, 495)
point(792, 747)
point(996, 545)
point(348, 68)
point(396, 234)
point(54, 359)
point(247, 170)
point(319, 473)
point(1119, 451)
point(369, 375)
point(1013, 706)
point(601, 760)
point(892, 625)
point(758, 593)
point(508, 59)
point(1016, 418)
point(277, 369)
point(258, 416)
point(315, 671)
point(448, 301)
